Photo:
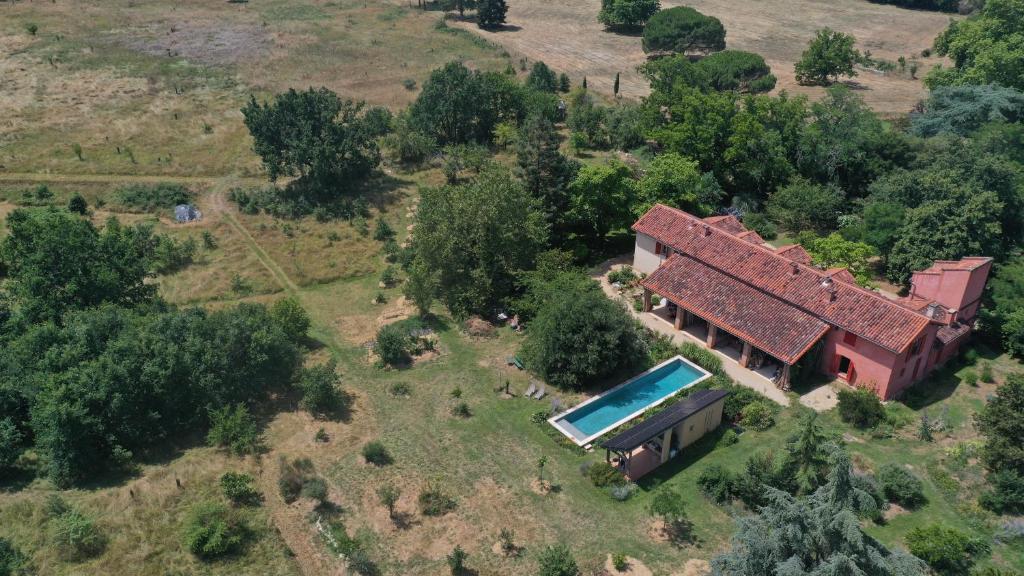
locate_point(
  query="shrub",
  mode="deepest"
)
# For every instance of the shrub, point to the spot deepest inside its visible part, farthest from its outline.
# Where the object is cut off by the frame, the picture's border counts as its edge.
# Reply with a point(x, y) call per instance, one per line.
point(392, 345)
point(293, 477)
point(238, 488)
point(619, 562)
point(319, 386)
point(383, 231)
point(604, 474)
point(400, 389)
point(212, 530)
point(234, 428)
point(389, 277)
point(557, 560)
point(375, 453)
point(289, 314)
point(986, 373)
point(702, 357)
point(12, 561)
point(729, 438)
point(434, 502)
point(1006, 493)
point(717, 483)
point(624, 275)
point(77, 204)
point(457, 560)
point(758, 415)
point(969, 377)
point(760, 223)
point(860, 407)
point(461, 410)
point(948, 551)
point(76, 536)
point(150, 197)
point(314, 489)
point(622, 492)
point(900, 486)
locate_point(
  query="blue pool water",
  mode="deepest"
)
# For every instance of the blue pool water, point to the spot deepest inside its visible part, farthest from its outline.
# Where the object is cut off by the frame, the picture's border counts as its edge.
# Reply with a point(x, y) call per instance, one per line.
point(636, 395)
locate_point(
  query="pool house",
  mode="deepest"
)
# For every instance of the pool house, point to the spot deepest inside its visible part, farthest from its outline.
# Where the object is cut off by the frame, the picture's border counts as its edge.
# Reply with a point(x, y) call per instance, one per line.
point(641, 448)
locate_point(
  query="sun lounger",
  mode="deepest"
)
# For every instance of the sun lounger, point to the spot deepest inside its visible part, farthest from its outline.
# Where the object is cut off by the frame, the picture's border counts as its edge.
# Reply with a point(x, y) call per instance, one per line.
point(541, 393)
point(518, 363)
point(529, 391)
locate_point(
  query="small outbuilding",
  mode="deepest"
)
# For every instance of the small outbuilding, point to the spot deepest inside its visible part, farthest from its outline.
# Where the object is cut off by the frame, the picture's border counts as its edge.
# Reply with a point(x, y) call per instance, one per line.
point(651, 443)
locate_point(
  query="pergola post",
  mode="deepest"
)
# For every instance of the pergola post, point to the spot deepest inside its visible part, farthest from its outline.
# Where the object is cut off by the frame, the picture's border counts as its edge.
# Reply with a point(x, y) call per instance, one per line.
point(647, 300)
point(784, 377)
point(680, 315)
point(745, 355)
point(666, 443)
point(712, 335)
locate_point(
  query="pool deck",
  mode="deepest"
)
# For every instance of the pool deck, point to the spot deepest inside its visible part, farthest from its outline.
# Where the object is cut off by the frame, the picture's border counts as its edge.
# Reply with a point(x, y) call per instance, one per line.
point(743, 376)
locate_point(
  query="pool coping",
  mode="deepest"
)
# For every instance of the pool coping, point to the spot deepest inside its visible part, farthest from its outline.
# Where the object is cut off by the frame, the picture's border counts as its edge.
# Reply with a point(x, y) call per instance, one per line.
point(592, 437)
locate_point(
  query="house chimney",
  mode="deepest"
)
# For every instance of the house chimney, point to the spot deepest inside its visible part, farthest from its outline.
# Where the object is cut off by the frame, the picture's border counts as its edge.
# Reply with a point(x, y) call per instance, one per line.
point(832, 295)
point(707, 230)
point(795, 268)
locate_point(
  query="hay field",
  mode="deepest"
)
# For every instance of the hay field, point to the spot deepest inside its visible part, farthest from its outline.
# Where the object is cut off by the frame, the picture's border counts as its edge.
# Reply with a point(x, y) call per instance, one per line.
point(567, 36)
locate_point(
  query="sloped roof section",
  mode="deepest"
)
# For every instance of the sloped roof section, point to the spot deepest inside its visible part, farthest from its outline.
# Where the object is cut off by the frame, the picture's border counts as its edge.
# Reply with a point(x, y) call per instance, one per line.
point(865, 313)
point(795, 252)
point(729, 223)
point(652, 427)
point(771, 324)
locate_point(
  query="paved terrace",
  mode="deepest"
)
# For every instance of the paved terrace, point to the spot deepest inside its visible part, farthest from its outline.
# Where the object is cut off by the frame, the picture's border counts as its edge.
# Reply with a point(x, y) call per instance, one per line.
point(821, 398)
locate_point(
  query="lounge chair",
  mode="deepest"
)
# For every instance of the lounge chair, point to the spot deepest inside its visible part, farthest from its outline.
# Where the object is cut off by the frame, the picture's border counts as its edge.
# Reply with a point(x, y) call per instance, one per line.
point(541, 393)
point(529, 391)
point(517, 362)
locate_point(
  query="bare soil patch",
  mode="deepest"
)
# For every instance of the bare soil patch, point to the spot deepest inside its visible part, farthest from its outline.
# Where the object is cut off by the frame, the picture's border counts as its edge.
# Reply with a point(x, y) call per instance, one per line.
point(214, 43)
point(634, 567)
point(695, 567)
point(567, 36)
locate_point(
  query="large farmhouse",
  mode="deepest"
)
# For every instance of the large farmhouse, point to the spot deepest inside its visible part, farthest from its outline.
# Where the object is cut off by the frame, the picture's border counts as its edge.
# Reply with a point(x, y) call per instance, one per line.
point(721, 281)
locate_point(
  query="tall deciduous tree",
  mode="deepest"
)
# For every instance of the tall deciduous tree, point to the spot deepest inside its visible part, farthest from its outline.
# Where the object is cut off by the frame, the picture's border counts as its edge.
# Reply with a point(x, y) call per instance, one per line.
point(676, 181)
point(475, 238)
point(314, 135)
point(828, 56)
point(600, 199)
point(626, 14)
point(805, 205)
point(459, 105)
point(491, 14)
point(578, 335)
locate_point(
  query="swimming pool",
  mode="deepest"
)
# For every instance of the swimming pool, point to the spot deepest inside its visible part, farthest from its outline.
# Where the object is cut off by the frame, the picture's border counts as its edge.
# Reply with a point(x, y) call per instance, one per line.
point(591, 419)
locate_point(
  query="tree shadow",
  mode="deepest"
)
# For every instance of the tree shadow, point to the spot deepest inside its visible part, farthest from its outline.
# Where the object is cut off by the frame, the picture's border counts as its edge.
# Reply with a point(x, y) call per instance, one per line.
point(938, 386)
point(16, 480)
point(405, 520)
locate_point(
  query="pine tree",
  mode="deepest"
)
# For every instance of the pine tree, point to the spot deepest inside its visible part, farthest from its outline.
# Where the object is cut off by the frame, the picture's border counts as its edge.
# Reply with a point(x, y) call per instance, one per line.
point(491, 14)
point(808, 455)
point(816, 534)
point(615, 89)
point(584, 82)
point(542, 168)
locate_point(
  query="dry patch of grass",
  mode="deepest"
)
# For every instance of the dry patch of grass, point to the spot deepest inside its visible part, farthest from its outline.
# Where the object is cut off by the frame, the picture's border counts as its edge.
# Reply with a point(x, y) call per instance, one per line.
point(567, 36)
point(144, 531)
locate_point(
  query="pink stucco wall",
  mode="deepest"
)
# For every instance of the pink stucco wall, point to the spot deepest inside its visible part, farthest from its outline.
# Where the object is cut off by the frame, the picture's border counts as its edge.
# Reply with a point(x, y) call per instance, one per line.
point(874, 367)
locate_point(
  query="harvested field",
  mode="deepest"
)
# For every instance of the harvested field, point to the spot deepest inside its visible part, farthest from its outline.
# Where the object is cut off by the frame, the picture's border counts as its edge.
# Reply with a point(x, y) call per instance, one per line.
point(567, 36)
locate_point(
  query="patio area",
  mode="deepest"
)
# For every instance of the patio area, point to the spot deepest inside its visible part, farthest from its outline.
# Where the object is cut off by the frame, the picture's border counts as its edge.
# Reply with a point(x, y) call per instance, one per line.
point(757, 378)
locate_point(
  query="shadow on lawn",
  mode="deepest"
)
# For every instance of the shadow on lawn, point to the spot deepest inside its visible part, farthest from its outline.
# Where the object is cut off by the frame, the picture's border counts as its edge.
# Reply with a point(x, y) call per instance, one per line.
point(690, 455)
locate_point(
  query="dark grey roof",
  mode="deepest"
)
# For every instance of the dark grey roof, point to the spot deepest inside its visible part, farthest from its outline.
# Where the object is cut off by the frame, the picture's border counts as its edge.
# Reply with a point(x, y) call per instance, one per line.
point(667, 418)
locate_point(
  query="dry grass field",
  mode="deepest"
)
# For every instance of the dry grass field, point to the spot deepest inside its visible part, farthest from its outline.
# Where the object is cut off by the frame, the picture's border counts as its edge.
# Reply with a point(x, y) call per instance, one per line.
point(567, 36)
point(165, 81)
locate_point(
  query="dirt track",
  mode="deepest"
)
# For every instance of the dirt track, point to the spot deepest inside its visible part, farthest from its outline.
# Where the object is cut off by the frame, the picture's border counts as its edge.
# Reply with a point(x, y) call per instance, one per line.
point(567, 36)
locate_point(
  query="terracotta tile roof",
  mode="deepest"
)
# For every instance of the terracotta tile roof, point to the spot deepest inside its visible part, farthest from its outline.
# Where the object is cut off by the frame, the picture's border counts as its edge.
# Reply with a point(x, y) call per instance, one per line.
point(865, 313)
point(751, 236)
point(794, 252)
point(966, 263)
point(841, 274)
point(778, 328)
point(729, 223)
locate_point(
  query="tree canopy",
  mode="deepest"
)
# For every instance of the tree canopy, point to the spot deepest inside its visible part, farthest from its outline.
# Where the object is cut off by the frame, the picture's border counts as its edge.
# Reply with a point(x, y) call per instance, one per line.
point(315, 135)
point(683, 30)
point(829, 55)
point(986, 48)
point(578, 335)
point(616, 14)
point(490, 14)
point(474, 238)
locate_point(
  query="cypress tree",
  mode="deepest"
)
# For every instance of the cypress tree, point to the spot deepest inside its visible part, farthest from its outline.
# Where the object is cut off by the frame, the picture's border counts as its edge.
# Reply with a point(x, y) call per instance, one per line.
point(616, 88)
point(584, 82)
point(545, 172)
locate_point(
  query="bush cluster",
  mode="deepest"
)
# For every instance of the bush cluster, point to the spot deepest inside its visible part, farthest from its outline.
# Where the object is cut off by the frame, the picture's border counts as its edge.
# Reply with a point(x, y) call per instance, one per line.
point(901, 486)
